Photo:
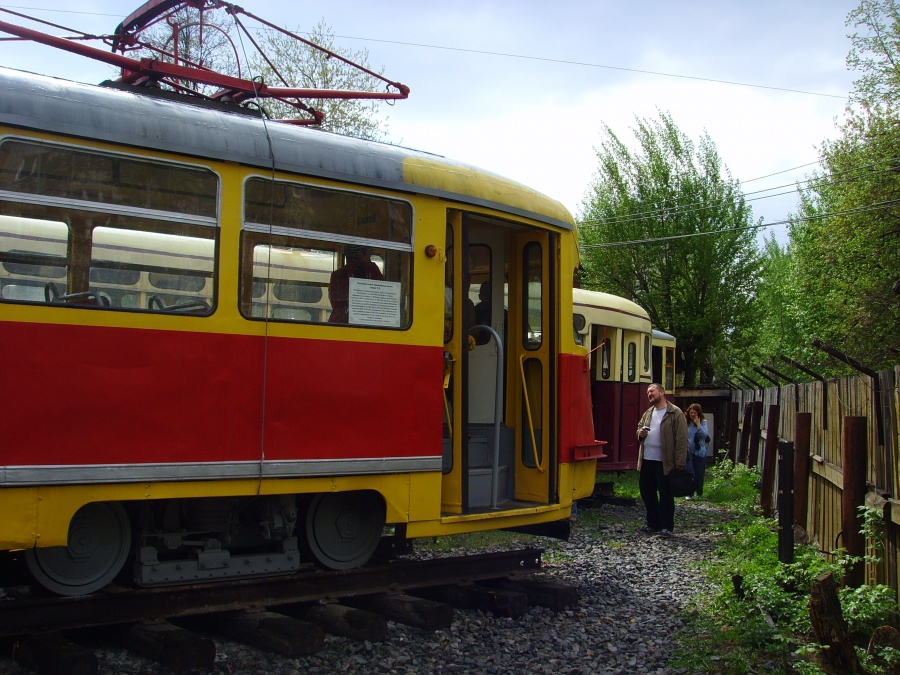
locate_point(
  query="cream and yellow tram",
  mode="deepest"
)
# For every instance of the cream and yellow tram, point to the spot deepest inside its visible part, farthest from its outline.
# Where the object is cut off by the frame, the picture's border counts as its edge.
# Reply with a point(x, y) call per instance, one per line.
point(182, 392)
point(618, 334)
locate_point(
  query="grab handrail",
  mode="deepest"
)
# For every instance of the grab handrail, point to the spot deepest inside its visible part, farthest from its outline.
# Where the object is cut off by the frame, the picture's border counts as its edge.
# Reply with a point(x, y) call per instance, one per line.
point(537, 464)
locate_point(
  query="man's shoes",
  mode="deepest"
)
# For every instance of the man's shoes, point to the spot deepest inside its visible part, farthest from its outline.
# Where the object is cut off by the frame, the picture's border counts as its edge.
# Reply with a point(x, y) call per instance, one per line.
point(646, 529)
point(666, 534)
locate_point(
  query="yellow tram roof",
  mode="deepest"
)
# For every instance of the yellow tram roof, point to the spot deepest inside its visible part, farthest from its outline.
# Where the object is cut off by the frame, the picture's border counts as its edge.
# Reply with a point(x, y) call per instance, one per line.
point(138, 118)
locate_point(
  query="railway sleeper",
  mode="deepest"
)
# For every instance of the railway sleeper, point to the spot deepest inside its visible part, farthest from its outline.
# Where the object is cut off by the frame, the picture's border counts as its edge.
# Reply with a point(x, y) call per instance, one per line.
point(550, 594)
point(407, 609)
point(51, 653)
point(498, 601)
point(269, 631)
point(337, 619)
point(175, 647)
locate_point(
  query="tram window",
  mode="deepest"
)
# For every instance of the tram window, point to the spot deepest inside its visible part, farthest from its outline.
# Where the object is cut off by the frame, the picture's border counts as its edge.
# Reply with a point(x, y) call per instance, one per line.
point(165, 272)
point(327, 211)
point(531, 413)
point(45, 268)
point(646, 353)
point(32, 252)
point(86, 176)
point(578, 324)
point(177, 282)
point(670, 369)
point(294, 314)
point(343, 257)
point(298, 292)
point(113, 276)
point(22, 292)
point(448, 286)
point(605, 359)
point(632, 362)
point(283, 275)
point(533, 310)
point(103, 230)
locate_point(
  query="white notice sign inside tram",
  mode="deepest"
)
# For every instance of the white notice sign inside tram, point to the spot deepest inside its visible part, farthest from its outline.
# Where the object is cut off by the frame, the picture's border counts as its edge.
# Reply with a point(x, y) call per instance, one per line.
point(375, 302)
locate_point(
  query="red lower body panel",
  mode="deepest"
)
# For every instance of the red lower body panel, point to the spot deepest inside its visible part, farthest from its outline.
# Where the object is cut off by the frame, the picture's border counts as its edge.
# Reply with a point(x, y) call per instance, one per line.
point(83, 395)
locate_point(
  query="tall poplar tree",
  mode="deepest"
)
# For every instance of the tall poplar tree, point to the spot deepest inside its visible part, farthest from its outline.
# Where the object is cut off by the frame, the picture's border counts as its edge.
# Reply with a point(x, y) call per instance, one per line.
point(665, 225)
point(845, 238)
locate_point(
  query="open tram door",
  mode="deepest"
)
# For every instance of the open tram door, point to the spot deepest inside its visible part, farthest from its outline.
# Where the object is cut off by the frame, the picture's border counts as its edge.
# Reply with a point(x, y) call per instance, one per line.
point(499, 434)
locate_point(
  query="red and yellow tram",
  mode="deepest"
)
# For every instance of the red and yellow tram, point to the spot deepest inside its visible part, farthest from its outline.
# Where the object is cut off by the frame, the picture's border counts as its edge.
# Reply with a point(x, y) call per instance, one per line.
point(181, 393)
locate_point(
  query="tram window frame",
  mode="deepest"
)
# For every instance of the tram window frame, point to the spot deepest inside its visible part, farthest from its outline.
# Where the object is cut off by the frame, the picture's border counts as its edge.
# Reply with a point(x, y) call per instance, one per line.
point(124, 216)
point(533, 275)
point(632, 362)
point(606, 358)
point(293, 217)
point(646, 353)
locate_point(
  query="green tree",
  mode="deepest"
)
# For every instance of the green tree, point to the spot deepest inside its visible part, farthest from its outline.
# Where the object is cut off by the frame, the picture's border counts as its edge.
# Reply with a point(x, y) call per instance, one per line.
point(666, 226)
point(846, 254)
point(303, 66)
point(875, 53)
point(845, 238)
point(777, 329)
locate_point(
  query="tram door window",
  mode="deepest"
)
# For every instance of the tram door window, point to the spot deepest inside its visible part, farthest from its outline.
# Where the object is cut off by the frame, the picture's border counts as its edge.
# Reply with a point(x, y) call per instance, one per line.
point(317, 255)
point(646, 354)
point(531, 298)
point(632, 362)
point(85, 228)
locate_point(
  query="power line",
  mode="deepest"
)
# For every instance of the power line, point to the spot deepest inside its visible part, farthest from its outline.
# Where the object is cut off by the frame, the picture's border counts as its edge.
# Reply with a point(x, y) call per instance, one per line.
point(593, 65)
point(543, 59)
point(793, 168)
point(64, 11)
point(700, 205)
point(798, 219)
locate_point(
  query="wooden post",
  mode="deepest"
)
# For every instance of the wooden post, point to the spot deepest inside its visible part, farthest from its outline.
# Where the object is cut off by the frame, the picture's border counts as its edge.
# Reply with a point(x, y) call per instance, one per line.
point(770, 456)
point(755, 433)
point(786, 502)
point(745, 433)
point(733, 409)
point(802, 427)
point(854, 496)
point(829, 625)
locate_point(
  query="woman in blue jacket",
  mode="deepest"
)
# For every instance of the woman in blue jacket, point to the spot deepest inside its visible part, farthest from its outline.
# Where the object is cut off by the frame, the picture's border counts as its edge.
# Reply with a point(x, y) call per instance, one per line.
point(698, 440)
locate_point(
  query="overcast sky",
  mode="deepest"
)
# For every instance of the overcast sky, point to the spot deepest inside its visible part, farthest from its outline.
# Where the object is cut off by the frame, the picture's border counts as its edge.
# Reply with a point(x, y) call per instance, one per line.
point(523, 88)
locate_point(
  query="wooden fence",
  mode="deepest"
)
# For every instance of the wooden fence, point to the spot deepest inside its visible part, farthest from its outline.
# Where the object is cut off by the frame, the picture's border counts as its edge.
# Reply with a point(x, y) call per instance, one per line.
point(846, 433)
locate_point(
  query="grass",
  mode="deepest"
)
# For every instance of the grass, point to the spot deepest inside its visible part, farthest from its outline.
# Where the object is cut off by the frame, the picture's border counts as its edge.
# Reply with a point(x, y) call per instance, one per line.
point(753, 614)
point(624, 483)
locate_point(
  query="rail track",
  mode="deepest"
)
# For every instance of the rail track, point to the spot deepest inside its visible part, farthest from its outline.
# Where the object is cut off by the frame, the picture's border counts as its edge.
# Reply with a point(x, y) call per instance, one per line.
point(286, 615)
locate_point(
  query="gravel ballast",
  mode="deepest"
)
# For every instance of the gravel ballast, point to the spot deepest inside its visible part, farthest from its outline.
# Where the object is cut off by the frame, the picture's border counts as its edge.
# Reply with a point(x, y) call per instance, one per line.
point(632, 589)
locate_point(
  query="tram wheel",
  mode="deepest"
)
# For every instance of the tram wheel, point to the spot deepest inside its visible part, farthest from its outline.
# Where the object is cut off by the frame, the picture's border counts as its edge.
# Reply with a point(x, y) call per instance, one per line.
point(343, 528)
point(98, 546)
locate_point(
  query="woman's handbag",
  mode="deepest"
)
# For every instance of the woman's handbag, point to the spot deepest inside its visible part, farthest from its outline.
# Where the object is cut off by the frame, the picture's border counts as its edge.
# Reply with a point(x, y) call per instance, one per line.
point(681, 483)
